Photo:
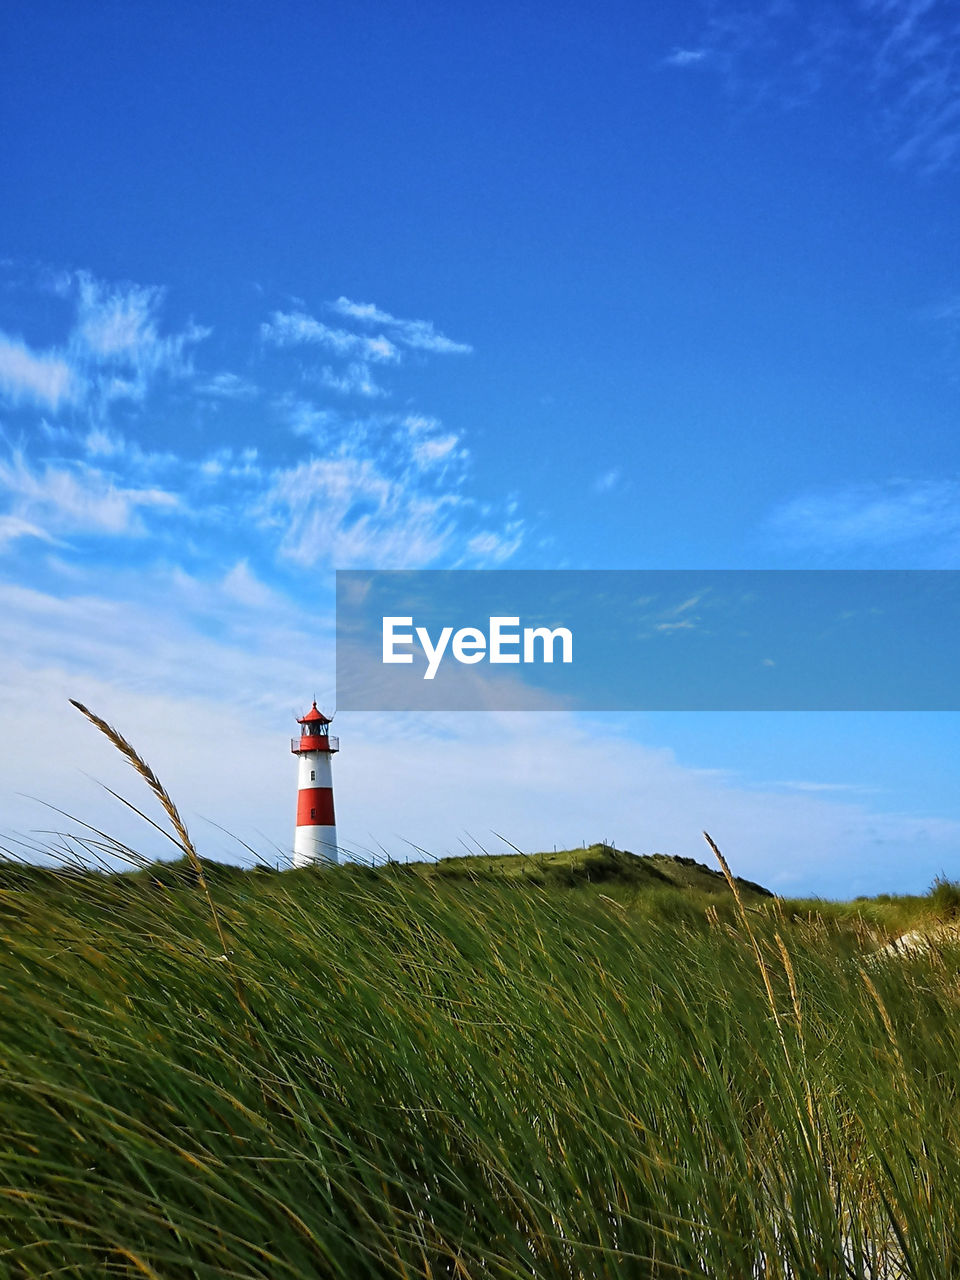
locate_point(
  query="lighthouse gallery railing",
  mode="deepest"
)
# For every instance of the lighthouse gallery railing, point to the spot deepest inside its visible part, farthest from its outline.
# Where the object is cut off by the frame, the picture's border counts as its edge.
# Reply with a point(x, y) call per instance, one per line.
point(318, 742)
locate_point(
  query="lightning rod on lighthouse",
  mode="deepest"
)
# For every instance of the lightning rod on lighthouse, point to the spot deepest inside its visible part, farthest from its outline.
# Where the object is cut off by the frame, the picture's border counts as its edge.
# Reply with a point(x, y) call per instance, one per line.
point(315, 839)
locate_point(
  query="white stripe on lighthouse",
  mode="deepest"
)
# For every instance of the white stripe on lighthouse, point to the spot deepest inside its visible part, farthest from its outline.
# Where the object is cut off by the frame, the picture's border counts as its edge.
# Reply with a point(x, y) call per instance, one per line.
point(314, 844)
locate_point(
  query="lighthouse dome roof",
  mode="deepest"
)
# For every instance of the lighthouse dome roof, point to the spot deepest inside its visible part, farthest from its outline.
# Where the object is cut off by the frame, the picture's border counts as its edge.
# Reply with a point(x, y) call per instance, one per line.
point(313, 715)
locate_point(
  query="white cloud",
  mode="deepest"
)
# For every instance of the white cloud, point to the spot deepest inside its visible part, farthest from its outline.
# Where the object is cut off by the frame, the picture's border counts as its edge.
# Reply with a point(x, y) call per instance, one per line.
point(492, 547)
point(296, 328)
point(419, 424)
point(429, 445)
point(387, 489)
point(386, 484)
point(243, 586)
point(113, 351)
point(48, 430)
point(118, 321)
point(304, 418)
point(413, 441)
point(378, 488)
point(686, 57)
point(222, 635)
point(902, 53)
point(104, 444)
point(229, 464)
point(365, 312)
point(434, 450)
point(916, 68)
point(77, 499)
point(13, 527)
point(43, 377)
point(685, 624)
point(607, 481)
point(418, 334)
point(873, 516)
point(354, 380)
point(228, 386)
point(346, 511)
point(117, 337)
point(124, 454)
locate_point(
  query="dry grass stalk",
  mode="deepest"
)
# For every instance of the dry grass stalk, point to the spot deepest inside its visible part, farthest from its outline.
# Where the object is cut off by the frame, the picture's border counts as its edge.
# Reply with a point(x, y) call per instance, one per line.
point(735, 889)
point(795, 1001)
point(183, 837)
point(791, 979)
point(154, 783)
point(813, 1134)
point(888, 1026)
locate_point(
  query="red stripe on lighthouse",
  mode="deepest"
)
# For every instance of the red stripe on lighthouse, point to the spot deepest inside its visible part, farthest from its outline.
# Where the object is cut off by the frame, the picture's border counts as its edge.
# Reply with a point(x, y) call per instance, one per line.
point(315, 807)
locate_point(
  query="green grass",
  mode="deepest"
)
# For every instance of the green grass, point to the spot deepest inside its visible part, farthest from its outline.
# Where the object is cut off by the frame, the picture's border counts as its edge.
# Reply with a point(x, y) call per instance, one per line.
point(462, 1071)
point(591, 865)
point(884, 917)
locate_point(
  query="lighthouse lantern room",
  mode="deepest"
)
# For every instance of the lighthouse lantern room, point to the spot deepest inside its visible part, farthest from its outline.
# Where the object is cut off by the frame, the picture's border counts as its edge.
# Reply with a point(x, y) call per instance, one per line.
point(315, 839)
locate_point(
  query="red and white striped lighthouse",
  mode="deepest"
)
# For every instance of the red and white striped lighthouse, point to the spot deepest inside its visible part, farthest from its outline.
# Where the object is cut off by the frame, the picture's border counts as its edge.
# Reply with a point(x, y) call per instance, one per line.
point(316, 835)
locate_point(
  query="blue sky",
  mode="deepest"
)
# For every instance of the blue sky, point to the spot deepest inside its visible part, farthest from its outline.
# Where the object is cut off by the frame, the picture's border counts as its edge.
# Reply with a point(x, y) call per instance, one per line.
point(311, 287)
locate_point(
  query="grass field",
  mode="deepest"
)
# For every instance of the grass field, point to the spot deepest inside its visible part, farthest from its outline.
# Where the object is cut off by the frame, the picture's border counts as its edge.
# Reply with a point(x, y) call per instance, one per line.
point(558, 1066)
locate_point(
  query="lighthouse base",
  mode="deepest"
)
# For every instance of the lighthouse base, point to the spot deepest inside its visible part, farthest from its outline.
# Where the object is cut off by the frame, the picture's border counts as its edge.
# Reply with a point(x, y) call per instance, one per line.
point(315, 844)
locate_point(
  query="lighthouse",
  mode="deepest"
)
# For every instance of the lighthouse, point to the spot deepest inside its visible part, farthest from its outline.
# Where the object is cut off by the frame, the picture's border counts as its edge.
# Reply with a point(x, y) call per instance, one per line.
point(316, 835)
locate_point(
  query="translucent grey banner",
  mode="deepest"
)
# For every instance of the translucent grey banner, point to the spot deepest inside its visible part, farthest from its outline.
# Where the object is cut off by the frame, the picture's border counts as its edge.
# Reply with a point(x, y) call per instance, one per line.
point(648, 640)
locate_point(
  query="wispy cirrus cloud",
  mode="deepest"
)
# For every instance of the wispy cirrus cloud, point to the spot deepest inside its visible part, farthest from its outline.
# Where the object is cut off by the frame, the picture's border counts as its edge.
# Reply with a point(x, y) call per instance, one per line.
point(41, 377)
point(77, 498)
point(410, 442)
point(607, 481)
point(346, 511)
point(769, 52)
point(904, 53)
point(118, 321)
point(918, 519)
point(686, 57)
point(114, 350)
point(391, 492)
point(357, 350)
point(227, 386)
point(117, 345)
point(303, 417)
point(430, 445)
point(354, 380)
point(417, 334)
point(492, 547)
point(917, 72)
point(389, 489)
point(361, 487)
point(14, 527)
point(296, 328)
point(433, 450)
